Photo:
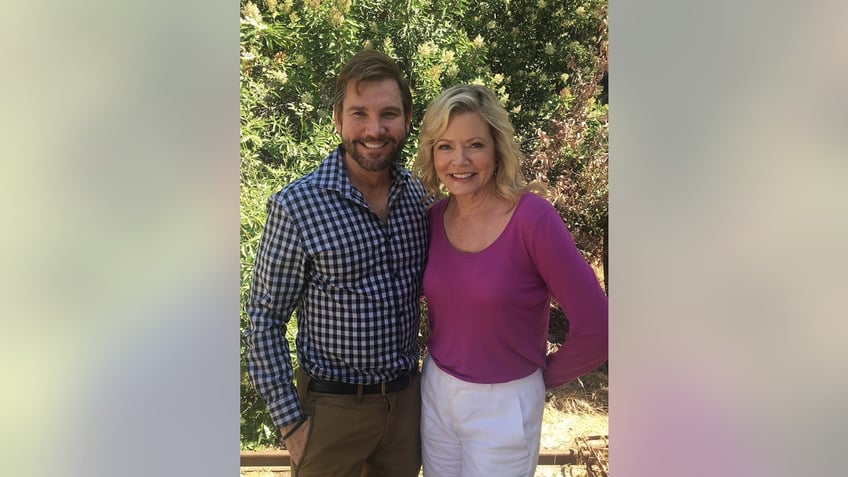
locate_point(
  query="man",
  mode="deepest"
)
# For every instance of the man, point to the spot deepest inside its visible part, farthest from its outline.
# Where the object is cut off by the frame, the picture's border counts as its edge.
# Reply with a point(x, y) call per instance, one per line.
point(345, 245)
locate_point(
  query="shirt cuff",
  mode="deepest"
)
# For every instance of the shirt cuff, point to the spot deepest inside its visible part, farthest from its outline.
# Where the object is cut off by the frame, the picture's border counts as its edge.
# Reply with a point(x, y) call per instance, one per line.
point(286, 410)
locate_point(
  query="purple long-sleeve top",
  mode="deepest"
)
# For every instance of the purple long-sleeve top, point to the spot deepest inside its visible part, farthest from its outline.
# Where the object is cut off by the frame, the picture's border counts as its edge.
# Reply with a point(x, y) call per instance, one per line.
point(489, 310)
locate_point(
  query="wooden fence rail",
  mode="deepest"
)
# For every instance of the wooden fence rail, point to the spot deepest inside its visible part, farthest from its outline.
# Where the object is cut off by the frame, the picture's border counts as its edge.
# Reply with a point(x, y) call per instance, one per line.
point(280, 458)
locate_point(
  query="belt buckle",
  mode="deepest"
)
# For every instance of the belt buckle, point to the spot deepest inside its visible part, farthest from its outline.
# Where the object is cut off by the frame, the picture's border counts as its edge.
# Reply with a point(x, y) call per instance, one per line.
point(383, 389)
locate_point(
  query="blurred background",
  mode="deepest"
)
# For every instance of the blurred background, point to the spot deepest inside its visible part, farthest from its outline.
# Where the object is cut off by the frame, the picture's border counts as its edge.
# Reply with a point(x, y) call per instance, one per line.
point(120, 218)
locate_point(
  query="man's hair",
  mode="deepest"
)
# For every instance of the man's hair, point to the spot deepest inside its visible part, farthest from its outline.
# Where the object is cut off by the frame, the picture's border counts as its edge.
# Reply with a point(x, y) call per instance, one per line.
point(371, 65)
point(509, 181)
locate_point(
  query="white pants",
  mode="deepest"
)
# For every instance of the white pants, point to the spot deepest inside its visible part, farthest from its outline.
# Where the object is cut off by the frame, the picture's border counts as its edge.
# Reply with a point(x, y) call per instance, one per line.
point(480, 430)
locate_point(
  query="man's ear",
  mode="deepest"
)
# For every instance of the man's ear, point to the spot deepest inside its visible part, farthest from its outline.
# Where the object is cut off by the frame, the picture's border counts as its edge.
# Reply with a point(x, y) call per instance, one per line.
point(337, 123)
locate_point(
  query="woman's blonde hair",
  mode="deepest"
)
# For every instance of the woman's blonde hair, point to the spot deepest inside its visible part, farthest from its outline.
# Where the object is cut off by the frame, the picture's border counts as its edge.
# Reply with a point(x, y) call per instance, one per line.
point(509, 181)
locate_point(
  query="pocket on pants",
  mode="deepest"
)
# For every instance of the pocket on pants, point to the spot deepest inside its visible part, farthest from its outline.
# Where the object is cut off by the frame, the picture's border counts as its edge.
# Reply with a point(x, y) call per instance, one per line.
point(492, 420)
point(302, 387)
point(304, 458)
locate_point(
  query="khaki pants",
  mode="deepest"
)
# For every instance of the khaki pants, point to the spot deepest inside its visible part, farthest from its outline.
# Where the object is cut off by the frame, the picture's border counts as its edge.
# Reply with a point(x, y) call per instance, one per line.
point(356, 436)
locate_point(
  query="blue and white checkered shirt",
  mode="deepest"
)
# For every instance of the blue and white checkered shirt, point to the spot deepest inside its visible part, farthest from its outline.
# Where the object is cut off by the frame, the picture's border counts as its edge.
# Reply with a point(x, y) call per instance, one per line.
point(354, 280)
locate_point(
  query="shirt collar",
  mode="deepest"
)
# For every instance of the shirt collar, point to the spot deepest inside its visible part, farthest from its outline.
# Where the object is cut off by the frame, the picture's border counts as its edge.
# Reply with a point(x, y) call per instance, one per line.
point(331, 173)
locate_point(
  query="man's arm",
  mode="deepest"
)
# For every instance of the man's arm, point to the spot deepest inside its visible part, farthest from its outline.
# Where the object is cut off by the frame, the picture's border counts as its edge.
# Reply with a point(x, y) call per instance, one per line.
point(278, 281)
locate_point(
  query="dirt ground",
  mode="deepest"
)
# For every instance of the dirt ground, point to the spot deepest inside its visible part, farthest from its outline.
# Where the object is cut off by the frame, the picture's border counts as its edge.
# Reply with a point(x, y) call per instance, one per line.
point(577, 417)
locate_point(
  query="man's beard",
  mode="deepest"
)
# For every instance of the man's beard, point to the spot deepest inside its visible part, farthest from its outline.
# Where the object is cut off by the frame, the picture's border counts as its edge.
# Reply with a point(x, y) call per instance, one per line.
point(366, 159)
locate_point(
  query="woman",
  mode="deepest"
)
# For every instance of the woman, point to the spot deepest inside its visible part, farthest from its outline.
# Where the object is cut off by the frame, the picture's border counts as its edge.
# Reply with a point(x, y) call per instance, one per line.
point(498, 253)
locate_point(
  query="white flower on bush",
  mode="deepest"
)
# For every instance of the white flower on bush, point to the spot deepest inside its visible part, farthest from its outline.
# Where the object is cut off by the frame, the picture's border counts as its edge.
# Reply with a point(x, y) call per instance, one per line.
point(252, 15)
point(280, 76)
point(427, 49)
